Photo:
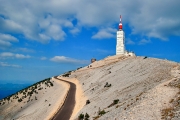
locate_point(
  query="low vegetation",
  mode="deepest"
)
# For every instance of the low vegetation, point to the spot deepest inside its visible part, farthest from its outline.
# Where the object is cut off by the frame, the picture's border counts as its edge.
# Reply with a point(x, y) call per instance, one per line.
point(114, 103)
point(145, 57)
point(67, 74)
point(87, 116)
point(28, 92)
point(100, 113)
point(172, 111)
point(79, 68)
point(83, 117)
point(107, 85)
point(87, 102)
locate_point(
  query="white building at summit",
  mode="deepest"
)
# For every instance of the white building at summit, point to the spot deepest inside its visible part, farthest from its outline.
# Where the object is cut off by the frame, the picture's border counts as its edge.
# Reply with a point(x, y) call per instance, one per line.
point(120, 45)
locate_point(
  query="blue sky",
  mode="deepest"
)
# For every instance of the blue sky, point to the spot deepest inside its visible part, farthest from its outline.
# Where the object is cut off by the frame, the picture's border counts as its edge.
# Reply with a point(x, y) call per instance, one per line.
point(40, 39)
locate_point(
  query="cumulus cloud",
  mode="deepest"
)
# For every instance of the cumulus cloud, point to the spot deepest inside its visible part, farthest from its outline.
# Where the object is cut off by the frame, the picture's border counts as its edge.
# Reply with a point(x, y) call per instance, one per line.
point(4, 64)
point(24, 50)
point(56, 32)
point(63, 59)
point(105, 33)
point(21, 56)
point(9, 25)
point(6, 55)
point(4, 44)
point(6, 39)
point(75, 31)
point(157, 19)
point(47, 20)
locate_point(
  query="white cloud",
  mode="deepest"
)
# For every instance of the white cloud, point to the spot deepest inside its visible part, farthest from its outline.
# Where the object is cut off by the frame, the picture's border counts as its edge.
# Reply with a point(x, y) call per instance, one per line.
point(6, 55)
point(63, 59)
point(44, 38)
point(4, 64)
point(67, 24)
point(75, 31)
point(56, 32)
point(144, 41)
point(6, 39)
point(105, 33)
point(8, 25)
point(47, 20)
point(24, 50)
point(21, 56)
point(4, 44)
point(158, 23)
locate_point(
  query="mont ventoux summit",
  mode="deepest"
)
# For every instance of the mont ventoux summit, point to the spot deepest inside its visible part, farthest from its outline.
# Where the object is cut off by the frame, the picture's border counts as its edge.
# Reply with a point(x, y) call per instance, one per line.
point(119, 87)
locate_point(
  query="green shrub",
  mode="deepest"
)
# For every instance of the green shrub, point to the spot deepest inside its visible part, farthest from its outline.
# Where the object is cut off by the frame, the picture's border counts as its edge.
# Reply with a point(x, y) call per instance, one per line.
point(87, 102)
point(102, 112)
point(51, 83)
point(115, 101)
point(81, 117)
point(19, 100)
point(79, 68)
point(24, 93)
point(145, 57)
point(86, 116)
point(107, 85)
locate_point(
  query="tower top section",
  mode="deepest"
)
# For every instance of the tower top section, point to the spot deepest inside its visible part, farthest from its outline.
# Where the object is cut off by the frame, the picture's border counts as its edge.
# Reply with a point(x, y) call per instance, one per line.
point(120, 23)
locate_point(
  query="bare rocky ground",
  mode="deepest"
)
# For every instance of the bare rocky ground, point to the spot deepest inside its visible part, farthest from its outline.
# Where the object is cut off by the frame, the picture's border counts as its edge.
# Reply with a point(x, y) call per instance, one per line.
point(37, 102)
point(130, 88)
point(117, 87)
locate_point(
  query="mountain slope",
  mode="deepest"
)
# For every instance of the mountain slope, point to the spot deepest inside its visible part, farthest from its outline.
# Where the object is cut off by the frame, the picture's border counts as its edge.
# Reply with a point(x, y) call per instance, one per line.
point(115, 88)
point(139, 87)
point(37, 102)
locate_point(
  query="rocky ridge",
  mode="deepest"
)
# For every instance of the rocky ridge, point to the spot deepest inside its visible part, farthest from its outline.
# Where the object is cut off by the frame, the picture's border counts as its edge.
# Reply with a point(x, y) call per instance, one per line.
point(131, 88)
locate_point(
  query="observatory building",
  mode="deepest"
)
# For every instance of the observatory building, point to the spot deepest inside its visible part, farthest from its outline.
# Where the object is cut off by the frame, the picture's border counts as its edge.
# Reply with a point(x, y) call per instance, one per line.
point(120, 47)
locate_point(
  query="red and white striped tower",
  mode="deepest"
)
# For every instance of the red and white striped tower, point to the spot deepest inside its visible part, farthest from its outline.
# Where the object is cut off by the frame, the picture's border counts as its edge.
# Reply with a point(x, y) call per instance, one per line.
point(120, 24)
point(120, 45)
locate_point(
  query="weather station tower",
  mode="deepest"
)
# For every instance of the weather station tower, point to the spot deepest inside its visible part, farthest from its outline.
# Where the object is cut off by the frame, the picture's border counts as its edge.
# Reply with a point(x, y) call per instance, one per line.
point(120, 47)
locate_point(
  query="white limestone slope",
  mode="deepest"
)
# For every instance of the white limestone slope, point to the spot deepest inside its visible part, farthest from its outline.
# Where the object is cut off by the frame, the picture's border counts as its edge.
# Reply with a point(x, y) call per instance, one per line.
point(139, 84)
point(41, 106)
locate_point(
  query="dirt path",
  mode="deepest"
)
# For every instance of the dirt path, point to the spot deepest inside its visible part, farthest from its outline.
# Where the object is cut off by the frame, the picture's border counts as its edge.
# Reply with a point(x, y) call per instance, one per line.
point(66, 110)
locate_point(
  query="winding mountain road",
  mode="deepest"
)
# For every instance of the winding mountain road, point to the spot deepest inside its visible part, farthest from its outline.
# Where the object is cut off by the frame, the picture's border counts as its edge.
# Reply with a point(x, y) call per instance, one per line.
point(66, 110)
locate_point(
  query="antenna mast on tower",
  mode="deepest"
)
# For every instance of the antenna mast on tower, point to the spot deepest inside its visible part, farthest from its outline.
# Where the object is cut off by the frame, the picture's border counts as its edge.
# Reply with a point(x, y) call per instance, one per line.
point(120, 23)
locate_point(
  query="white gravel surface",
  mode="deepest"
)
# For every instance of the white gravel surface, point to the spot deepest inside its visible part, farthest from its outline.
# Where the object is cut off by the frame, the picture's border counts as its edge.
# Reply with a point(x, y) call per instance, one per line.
point(141, 85)
point(49, 100)
point(138, 83)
